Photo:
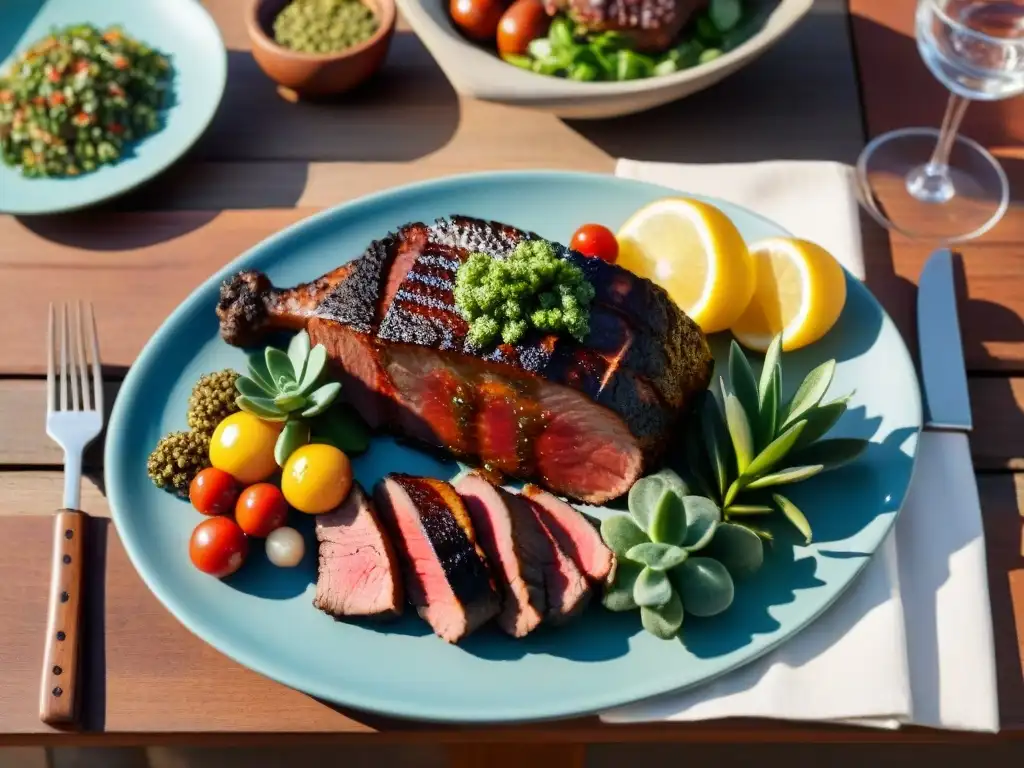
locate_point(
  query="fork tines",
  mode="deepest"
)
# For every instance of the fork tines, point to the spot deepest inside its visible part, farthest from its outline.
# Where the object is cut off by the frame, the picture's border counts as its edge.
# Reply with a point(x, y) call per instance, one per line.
point(77, 329)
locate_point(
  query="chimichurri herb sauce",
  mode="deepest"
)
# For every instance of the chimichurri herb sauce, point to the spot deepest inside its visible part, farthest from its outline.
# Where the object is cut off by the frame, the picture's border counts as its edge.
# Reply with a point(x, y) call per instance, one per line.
point(71, 102)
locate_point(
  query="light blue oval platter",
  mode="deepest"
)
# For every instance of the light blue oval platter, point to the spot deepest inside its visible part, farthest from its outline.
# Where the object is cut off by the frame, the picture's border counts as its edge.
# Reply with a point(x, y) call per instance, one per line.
point(263, 616)
point(181, 29)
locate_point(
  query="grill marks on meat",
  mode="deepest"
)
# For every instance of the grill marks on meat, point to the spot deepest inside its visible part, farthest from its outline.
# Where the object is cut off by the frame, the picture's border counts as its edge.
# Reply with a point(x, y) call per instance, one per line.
point(447, 576)
point(358, 574)
point(585, 419)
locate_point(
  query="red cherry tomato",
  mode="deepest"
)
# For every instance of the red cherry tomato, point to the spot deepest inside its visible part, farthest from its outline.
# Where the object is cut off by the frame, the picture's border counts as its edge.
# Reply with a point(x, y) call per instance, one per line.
point(218, 547)
point(596, 241)
point(478, 19)
point(213, 491)
point(523, 22)
point(260, 509)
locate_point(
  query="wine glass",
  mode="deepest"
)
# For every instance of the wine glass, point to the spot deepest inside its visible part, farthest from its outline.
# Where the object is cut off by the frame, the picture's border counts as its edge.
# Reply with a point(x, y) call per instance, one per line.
point(937, 185)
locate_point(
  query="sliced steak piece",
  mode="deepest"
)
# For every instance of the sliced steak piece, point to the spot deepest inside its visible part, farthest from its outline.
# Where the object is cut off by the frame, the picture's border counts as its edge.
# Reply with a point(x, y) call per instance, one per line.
point(565, 587)
point(516, 549)
point(358, 573)
point(447, 576)
point(575, 534)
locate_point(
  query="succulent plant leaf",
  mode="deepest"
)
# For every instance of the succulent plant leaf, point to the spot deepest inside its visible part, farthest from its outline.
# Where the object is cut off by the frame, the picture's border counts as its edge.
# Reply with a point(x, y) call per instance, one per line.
point(663, 622)
point(774, 452)
point(279, 367)
point(618, 596)
point(294, 435)
point(320, 399)
point(257, 365)
point(742, 381)
point(713, 430)
point(737, 548)
point(832, 453)
point(298, 351)
point(702, 517)
point(657, 557)
point(249, 387)
point(288, 403)
point(621, 533)
point(668, 519)
point(809, 393)
point(820, 420)
point(342, 427)
point(652, 588)
point(794, 515)
point(768, 415)
point(315, 363)
point(761, 533)
point(704, 586)
point(697, 466)
point(770, 365)
point(262, 407)
point(788, 475)
point(739, 431)
point(744, 510)
point(646, 492)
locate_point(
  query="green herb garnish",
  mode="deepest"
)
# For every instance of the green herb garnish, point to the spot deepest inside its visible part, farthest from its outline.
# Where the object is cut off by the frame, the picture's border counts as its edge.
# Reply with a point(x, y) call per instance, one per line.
point(72, 101)
point(503, 298)
point(324, 26)
point(571, 52)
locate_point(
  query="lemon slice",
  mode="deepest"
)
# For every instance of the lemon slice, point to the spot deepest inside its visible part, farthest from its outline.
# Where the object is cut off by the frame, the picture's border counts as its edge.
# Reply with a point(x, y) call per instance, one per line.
point(693, 251)
point(800, 290)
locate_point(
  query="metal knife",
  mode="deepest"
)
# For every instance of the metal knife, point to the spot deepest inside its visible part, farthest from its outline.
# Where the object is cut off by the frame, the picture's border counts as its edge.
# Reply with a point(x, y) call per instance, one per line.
point(947, 404)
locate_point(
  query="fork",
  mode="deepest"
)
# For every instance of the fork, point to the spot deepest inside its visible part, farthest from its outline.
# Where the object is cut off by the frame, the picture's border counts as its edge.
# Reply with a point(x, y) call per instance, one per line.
point(74, 417)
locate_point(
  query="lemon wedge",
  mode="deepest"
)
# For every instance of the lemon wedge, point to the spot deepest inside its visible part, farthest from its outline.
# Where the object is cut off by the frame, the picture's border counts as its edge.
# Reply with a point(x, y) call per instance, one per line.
point(693, 251)
point(799, 291)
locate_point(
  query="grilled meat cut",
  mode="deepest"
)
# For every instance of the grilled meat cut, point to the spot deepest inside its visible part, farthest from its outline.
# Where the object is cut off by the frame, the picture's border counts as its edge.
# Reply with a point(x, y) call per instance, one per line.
point(358, 572)
point(575, 534)
point(651, 25)
point(447, 576)
point(584, 419)
point(515, 548)
point(565, 586)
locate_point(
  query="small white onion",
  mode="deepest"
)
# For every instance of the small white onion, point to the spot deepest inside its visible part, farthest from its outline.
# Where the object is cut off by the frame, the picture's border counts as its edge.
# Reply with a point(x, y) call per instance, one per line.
point(285, 547)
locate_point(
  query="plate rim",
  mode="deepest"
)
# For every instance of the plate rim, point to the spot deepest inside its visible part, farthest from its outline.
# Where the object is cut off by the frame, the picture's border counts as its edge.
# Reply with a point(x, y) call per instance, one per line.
point(384, 705)
point(169, 159)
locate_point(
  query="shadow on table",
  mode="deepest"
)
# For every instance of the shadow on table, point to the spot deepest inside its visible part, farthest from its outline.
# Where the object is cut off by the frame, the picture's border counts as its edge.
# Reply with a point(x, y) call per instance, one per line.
point(100, 230)
point(93, 683)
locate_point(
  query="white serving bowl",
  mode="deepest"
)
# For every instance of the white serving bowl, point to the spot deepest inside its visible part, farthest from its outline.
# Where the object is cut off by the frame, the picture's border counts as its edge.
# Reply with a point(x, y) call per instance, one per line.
point(478, 72)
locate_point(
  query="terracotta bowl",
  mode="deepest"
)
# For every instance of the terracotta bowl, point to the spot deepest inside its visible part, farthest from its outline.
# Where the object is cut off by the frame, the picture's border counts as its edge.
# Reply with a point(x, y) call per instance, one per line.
point(313, 75)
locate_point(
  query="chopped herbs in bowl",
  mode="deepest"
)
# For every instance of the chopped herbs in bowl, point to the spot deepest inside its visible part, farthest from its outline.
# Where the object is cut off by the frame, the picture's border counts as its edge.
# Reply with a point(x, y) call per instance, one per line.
point(75, 99)
point(324, 26)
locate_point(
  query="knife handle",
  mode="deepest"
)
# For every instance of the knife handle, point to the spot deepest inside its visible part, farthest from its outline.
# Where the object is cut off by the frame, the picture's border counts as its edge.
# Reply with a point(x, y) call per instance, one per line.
point(58, 696)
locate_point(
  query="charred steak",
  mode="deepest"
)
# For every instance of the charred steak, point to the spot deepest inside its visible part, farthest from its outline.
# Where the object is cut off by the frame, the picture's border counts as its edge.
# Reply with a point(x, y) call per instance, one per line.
point(575, 534)
point(585, 420)
point(358, 573)
point(447, 576)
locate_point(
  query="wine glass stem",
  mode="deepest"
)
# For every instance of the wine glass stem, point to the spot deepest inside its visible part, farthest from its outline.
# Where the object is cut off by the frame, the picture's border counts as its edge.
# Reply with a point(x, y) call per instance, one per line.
point(931, 182)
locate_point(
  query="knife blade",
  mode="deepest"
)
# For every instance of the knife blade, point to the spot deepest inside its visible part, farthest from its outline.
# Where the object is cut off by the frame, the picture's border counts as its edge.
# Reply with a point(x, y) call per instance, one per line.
point(943, 372)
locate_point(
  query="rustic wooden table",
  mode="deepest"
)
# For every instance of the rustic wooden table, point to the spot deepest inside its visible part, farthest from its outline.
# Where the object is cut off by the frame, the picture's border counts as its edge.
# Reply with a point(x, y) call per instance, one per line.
point(266, 163)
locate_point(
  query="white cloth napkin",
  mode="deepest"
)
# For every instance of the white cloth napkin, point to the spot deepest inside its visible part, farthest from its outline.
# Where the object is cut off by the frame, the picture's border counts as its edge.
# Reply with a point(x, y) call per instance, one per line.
point(911, 640)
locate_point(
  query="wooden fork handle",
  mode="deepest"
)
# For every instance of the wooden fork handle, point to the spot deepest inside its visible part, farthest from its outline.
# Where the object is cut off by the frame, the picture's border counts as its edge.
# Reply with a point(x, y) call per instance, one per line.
point(58, 696)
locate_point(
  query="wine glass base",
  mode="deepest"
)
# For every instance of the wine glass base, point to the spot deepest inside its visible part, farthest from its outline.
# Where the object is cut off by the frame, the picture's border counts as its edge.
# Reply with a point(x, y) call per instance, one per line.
point(897, 189)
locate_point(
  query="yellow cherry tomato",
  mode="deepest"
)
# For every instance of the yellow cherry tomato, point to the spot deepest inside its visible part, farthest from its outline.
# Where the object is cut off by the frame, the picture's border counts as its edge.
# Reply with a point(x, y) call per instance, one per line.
point(243, 446)
point(316, 478)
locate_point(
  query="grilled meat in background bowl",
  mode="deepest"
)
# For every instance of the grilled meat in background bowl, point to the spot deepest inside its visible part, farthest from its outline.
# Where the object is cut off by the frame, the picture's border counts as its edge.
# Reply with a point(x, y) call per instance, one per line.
point(647, 75)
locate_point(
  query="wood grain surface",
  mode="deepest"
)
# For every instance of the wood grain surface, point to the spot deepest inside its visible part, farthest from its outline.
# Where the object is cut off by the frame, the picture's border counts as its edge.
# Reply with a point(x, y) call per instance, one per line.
point(265, 164)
